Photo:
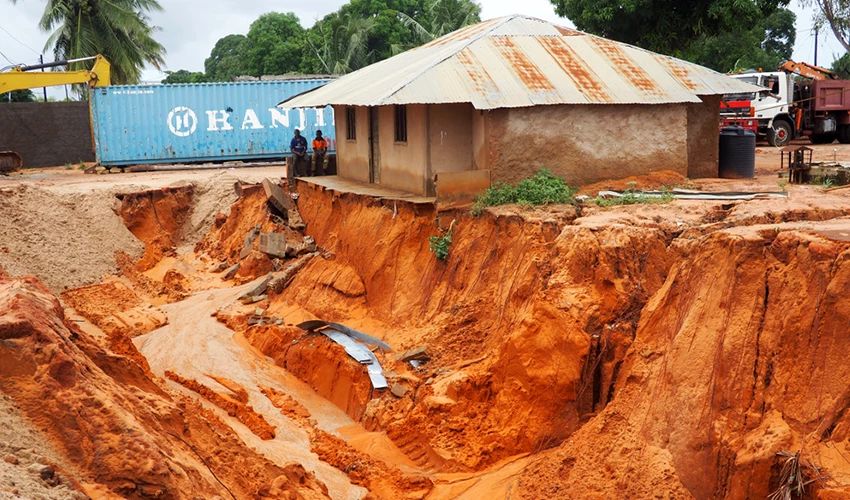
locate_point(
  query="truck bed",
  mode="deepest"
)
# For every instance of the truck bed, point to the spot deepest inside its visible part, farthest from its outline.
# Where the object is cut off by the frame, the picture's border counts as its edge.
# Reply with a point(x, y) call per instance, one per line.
point(831, 95)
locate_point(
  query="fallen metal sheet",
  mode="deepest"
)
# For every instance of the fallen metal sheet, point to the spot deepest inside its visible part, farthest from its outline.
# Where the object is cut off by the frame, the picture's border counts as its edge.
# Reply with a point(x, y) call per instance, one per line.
point(357, 351)
point(376, 373)
point(362, 337)
point(315, 324)
point(681, 194)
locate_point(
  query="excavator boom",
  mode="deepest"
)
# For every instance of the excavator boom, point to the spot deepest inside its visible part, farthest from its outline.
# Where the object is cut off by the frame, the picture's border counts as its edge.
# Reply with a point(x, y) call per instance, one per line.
point(807, 70)
point(24, 77)
point(27, 77)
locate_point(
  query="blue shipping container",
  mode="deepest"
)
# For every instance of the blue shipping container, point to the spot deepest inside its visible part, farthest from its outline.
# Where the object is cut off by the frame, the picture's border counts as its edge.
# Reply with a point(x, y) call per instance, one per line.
point(202, 122)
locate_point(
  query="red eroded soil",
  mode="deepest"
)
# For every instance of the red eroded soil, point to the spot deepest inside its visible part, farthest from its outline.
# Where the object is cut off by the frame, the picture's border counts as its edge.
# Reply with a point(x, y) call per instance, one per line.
point(508, 313)
point(516, 297)
point(740, 356)
point(110, 421)
point(318, 361)
point(156, 218)
point(233, 406)
point(226, 239)
point(383, 482)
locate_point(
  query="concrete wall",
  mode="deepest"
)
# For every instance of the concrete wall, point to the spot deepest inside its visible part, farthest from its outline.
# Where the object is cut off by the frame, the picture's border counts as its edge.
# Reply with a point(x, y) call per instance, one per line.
point(703, 137)
point(404, 165)
point(588, 143)
point(352, 156)
point(47, 134)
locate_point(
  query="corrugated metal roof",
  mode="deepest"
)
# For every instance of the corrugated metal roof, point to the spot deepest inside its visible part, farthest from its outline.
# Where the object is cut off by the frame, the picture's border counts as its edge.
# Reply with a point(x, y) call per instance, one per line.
point(519, 61)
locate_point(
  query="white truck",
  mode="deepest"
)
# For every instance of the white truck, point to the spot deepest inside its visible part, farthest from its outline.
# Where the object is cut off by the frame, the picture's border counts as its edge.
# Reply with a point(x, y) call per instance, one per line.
point(815, 107)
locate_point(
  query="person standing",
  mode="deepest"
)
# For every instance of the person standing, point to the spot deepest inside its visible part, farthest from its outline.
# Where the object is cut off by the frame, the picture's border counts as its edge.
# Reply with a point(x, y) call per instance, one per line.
point(300, 163)
point(320, 149)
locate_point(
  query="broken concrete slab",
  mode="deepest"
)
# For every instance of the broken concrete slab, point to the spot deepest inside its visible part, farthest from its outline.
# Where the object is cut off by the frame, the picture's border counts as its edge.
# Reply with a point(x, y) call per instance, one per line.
point(273, 244)
point(283, 202)
point(260, 288)
point(398, 390)
point(231, 271)
point(259, 311)
point(308, 245)
point(221, 267)
point(242, 189)
point(419, 354)
point(280, 280)
point(277, 196)
point(250, 299)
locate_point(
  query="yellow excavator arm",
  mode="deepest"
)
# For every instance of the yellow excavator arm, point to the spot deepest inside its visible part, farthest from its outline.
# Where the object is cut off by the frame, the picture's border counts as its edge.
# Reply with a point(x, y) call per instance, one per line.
point(807, 70)
point(24, 77)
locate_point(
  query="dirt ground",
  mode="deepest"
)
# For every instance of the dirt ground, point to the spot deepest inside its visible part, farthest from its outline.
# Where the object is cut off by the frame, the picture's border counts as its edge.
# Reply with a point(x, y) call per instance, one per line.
point(666, 350)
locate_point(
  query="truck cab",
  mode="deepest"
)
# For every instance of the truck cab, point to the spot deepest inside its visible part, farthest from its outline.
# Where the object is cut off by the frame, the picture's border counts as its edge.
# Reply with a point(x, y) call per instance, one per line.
point(767, 113)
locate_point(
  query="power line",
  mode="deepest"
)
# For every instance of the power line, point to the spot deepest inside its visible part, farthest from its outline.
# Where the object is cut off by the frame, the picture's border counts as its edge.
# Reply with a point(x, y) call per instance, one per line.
point(6, 58)
point(20, 42)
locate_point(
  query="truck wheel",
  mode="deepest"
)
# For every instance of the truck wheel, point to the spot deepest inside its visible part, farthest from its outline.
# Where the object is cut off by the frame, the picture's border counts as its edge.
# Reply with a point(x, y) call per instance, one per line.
point(781, 133)
point(844, 134)
point(823, 138)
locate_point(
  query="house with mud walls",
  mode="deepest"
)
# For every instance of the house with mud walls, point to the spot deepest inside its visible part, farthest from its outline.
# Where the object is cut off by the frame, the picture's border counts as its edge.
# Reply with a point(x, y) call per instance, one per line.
point(498, 100)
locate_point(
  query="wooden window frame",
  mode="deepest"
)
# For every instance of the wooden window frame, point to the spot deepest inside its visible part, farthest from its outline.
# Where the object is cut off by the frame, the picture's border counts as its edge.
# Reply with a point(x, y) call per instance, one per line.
point(350, 123)
point(400, 120)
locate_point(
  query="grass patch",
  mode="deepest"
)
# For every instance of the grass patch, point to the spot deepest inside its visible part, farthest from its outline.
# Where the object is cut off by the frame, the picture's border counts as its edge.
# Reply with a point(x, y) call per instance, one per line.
point(541, 189)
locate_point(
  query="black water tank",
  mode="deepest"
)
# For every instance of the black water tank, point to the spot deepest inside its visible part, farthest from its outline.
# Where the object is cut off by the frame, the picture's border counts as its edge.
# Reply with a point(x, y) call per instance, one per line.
point(737, 153)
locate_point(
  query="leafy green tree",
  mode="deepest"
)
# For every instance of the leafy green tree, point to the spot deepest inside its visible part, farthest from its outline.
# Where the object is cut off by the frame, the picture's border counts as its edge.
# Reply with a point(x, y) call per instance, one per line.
point(693, 28)
point(275, 44)
point(227, 59)
point(184, 76)
point(388, 29)
point(118, 29)
point(341, 45)
point(25, 95)
point(841, 66)
point(763, 46)
point(438, 18)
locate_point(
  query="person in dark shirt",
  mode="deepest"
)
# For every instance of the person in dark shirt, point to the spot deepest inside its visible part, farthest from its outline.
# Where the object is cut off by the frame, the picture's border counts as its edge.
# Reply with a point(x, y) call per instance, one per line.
point(300, 162)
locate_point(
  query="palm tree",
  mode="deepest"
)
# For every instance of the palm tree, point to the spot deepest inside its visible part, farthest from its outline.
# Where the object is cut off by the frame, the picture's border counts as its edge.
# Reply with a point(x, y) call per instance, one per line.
point(117, 29)
point(343, 48)
point(438, 18)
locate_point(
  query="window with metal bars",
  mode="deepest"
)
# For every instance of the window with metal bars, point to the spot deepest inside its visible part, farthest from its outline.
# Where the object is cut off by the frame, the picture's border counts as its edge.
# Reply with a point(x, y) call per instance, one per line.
point(401, 124)
point(350, 124)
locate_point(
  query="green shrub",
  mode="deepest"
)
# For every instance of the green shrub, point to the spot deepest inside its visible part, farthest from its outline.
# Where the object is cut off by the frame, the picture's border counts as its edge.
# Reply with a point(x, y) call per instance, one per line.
point(440, 244)
point(541, 189)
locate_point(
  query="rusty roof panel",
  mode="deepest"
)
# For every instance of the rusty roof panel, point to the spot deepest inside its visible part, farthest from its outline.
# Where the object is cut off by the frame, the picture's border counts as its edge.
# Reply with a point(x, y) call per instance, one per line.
point(528, 72)
point(574, 67)
point(518, 61)
point(626, 66)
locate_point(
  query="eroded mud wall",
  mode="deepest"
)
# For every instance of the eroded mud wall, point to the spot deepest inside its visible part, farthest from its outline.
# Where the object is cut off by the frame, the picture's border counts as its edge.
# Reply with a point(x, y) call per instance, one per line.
point(404, 165)
point(588, 143)
point(703, 137)
point(352, 155)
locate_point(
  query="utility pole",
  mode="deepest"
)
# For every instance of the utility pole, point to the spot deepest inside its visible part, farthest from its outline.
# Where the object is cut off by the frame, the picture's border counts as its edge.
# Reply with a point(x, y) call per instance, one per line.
point(817, 31)
point(41, 61)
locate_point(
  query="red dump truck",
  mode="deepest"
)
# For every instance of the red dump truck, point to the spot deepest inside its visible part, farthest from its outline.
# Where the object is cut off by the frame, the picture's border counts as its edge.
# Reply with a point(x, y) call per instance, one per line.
point(817, 107)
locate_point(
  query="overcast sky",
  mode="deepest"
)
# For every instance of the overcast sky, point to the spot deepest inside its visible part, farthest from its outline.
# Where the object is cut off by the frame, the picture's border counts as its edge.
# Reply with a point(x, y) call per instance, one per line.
point(190, 28)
